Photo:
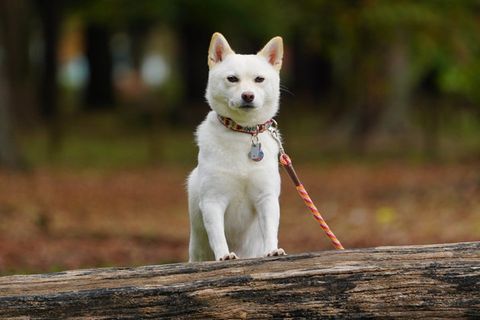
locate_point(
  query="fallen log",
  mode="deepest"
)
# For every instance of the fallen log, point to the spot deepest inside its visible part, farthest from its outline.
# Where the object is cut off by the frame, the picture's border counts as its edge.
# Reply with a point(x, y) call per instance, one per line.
point(438, 281)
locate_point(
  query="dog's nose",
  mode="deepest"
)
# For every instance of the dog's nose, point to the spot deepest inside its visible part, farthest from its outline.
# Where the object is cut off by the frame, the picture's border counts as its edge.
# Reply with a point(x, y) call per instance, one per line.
point(248, 96)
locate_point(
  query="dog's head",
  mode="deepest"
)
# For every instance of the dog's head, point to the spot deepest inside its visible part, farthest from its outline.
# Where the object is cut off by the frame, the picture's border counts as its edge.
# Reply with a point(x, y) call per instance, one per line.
point(245, 88)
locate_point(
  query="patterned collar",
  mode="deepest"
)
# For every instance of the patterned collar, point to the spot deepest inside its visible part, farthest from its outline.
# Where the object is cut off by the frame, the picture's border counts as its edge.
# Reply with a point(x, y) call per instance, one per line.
point(253, 130)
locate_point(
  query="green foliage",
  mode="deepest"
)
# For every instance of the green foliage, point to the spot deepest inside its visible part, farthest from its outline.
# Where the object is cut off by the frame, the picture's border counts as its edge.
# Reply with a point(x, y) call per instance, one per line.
point(441, 34)
point(256, 18)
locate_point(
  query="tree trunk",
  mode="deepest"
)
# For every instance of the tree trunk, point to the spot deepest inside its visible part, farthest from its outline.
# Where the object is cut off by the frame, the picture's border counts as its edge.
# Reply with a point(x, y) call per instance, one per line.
point(394, 121)
point(50, 16)
point(99, 95)
point(13, 74)
point(433, 281)
point(313, 73)
point(9, 156)
point(431, 103)
point(193, 47)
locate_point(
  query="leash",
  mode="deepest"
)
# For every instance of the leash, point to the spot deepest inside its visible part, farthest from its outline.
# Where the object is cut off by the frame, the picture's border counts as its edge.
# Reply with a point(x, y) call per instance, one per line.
point(286, 163)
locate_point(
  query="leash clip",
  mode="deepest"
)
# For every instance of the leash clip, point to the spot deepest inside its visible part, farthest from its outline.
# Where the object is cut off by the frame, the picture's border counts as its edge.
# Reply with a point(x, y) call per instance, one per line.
point(273, 129)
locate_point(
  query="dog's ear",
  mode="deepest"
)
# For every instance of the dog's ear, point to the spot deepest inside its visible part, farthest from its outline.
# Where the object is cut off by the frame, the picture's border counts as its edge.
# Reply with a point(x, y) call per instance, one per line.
point(273, 52)
point(218, 50)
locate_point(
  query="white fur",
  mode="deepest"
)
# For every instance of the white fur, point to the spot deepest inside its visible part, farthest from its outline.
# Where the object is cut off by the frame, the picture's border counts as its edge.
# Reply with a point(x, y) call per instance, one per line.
point(233, 200)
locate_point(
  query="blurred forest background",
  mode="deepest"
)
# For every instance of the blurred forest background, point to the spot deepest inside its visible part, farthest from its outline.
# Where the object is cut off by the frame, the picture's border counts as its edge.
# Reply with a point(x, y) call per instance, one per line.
point(99, 100)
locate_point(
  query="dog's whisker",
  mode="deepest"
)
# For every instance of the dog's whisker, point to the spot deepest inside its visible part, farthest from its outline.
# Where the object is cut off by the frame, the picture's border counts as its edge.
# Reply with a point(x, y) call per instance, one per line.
point(286, 90)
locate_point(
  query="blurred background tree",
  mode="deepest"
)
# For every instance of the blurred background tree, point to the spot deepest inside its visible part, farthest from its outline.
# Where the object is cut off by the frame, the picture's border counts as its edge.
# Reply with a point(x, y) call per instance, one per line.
point(14, 73)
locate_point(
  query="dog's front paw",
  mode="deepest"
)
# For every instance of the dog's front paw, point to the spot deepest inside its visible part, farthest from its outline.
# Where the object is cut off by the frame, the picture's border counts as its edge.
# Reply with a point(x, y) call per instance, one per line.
point(229, 256)
point(276, 253)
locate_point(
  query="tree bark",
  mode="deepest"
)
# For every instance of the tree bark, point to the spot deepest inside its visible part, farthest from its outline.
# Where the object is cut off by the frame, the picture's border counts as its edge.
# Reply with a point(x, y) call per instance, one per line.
point(434, 281)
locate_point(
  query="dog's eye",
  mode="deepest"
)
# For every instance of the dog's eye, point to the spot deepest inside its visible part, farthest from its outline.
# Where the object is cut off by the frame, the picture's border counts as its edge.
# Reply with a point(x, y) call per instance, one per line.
point(259, 79)
point(232, 79)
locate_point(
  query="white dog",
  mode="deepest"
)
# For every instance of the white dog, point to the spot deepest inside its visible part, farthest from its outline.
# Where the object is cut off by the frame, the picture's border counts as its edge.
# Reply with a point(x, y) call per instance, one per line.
point(234, 190)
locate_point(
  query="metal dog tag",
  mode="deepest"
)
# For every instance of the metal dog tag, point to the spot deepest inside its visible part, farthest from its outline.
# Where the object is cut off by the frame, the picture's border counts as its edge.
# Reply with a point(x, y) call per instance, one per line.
point(256, 153)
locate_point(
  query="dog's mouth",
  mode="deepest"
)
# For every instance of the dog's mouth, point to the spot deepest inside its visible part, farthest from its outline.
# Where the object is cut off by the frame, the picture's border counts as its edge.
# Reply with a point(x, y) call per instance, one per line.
point(247, 106)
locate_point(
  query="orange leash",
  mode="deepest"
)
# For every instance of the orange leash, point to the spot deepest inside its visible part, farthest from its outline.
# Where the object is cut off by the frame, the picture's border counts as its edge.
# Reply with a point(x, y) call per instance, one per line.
point(286, 163)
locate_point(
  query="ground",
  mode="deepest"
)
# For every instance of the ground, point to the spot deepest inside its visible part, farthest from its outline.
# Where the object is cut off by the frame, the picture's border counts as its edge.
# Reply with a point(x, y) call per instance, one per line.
point(57, 219)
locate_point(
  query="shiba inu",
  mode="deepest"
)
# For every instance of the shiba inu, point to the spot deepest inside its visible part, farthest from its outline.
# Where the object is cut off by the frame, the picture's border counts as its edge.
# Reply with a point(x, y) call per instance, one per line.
point(233, 192)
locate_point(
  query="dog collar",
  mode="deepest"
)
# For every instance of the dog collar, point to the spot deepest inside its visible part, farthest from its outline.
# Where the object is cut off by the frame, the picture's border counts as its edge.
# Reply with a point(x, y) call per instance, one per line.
point(253, 130)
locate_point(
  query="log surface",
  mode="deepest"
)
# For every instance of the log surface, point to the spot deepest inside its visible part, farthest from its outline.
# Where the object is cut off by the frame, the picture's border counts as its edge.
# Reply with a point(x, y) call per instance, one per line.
point(433, 281)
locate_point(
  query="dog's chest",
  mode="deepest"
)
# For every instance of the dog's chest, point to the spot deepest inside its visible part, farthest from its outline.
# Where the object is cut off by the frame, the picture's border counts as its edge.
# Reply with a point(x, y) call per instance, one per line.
point(235, 151)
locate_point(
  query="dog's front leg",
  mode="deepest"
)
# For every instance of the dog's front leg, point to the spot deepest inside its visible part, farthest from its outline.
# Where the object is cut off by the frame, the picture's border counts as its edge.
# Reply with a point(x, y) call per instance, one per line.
point(213, 213)
point(268, 210)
